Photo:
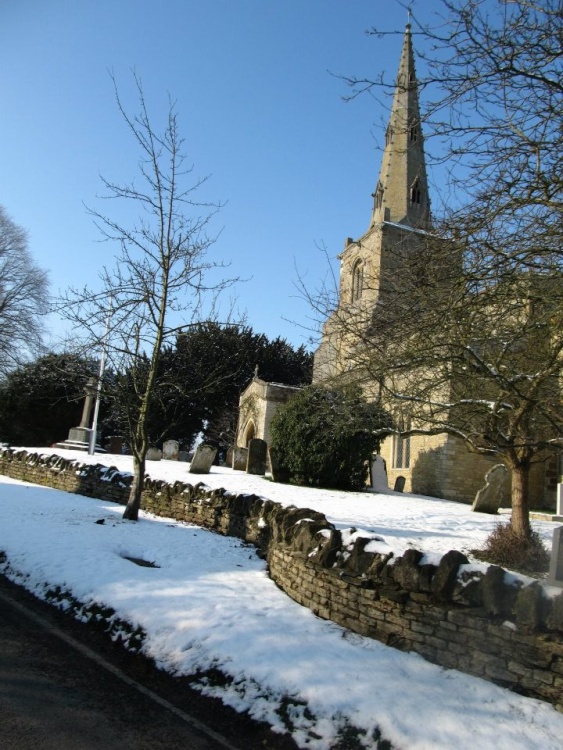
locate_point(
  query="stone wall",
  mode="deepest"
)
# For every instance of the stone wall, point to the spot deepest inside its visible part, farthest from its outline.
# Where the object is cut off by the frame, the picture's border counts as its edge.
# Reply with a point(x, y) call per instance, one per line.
point(478, 619)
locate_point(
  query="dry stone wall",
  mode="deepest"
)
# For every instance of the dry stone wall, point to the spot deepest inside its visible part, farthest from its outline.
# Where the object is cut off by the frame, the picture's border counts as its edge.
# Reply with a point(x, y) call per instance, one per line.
point(478, 619)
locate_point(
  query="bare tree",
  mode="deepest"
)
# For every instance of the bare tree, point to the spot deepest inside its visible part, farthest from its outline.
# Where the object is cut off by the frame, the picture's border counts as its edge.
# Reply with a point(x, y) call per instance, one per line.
point(465, 337)
point(163, 279)
point(480, 362)
point(23, 297)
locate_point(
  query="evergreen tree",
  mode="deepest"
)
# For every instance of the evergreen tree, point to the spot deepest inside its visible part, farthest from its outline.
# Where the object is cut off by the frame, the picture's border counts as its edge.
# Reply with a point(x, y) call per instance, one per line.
point(42, 400)
point(199, 382)
point(325, 437)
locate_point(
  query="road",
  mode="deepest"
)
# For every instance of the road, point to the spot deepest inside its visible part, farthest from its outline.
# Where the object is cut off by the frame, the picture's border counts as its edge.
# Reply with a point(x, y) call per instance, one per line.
point(63, 686)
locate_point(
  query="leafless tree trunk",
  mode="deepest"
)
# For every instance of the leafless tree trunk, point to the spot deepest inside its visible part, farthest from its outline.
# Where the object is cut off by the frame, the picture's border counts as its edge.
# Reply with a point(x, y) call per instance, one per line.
point(520, 520)
point(160, 283)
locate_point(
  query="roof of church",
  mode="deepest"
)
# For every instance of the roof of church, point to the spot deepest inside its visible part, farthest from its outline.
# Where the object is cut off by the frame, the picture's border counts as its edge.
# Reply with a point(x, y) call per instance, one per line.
point(406, 227)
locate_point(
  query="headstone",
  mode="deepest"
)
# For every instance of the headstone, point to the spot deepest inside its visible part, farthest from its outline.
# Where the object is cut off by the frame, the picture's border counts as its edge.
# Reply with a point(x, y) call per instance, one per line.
point(115, 444)
point(229, 457)
point(257, 457)
point(399, 485)
point(559, 505)
point(279, 473)
point(170, 450)
point(184, 456)
point(154, 454)
point(240, 457)
point(488, 498)
point(378, 473)
point(555, 577)
point(203, 459)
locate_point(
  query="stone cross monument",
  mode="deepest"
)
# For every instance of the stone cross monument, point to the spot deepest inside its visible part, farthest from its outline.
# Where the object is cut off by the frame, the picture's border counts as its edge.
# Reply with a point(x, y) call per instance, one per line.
point(79, 437)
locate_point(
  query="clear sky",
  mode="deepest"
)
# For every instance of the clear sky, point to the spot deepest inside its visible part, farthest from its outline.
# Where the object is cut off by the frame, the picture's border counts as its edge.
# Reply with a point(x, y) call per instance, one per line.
point(258, 108)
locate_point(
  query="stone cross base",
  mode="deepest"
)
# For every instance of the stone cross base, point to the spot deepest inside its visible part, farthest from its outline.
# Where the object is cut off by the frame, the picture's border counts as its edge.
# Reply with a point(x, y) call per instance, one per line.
point(78, 439)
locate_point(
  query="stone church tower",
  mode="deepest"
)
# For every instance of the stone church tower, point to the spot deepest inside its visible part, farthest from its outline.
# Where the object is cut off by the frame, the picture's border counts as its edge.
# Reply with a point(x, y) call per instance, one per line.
point(371, 266)
point(399, 221)
point(399, 229)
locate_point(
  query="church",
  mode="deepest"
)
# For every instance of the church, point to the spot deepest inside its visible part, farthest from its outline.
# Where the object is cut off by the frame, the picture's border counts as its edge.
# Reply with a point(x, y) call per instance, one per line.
point(399, 226)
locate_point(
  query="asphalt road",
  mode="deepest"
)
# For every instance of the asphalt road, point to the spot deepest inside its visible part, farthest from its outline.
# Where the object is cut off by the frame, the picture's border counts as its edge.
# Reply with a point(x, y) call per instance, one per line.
point(64, 687)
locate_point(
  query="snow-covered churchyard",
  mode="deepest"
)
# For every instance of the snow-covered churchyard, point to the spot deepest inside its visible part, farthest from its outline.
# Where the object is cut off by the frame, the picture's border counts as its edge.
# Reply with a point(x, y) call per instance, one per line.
point(211, 603)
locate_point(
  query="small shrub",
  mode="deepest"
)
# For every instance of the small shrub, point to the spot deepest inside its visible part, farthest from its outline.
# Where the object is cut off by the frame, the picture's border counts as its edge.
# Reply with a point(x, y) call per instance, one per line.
point(509, 550)
point(323, 438)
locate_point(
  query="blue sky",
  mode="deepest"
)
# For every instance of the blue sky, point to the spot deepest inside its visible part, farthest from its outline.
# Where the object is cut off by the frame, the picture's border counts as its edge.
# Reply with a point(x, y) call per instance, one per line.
point(258, 107)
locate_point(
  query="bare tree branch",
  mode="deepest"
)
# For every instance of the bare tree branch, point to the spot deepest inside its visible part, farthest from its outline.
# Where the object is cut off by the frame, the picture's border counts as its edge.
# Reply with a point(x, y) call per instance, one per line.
point(23, 297)
point(163, 280)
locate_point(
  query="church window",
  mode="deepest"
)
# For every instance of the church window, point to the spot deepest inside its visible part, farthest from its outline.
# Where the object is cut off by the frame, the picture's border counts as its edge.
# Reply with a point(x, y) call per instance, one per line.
point(357, 280)
point(416, 193)
point(413, 133)
point(402, 447)
point(388, 135)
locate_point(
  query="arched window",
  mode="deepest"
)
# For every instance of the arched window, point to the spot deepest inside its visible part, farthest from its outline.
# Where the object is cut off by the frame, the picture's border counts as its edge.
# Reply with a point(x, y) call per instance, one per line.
point(357, 280)
point(416, 194)
point(402, 446)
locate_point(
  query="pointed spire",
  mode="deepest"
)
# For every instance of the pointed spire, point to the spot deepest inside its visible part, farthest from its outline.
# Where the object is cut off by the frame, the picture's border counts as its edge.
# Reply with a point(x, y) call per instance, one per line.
point(401, 195)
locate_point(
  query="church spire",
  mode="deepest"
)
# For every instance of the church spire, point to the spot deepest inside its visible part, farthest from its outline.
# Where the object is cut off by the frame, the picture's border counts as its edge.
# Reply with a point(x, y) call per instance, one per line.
point(401, 195)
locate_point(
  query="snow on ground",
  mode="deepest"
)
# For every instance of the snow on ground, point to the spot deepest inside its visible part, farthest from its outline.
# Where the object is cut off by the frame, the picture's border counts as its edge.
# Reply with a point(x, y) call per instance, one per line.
point(426, 523)
point(210, 604)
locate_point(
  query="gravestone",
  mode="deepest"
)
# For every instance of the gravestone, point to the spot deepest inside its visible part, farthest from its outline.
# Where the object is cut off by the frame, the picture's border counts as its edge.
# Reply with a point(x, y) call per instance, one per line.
point(170, 450)
point(203, 459)
point(279, 473)
point(183, 456)
point(488, 498)
point(229, 457)
point(555, 577)
point(257, 457)
point(240, 457)
point(559, 502)
point(399, 485)
point(378, 473)
point(154, 454)
point(115, 444)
